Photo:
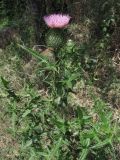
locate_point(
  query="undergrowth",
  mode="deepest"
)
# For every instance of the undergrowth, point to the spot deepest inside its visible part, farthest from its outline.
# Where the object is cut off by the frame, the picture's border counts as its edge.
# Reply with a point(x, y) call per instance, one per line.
point(46, 122)
point(61, 105)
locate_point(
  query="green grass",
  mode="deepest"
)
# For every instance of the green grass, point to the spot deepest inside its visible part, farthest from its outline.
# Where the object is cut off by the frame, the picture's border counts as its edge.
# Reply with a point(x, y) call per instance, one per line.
point(62, 117)
point(3, 23)
point(60, 104)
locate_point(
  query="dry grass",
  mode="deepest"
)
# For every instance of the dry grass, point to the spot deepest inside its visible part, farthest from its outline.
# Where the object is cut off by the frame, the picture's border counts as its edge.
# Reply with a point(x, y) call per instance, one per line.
point(9, 146)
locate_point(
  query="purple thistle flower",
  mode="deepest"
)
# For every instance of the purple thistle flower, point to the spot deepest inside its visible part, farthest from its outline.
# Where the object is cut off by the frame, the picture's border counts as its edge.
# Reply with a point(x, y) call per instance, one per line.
point(57, 20)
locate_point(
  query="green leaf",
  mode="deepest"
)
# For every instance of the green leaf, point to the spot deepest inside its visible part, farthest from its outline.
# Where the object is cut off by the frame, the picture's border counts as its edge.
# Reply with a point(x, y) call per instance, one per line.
point(10, 92)
point(28, 144)
point(28, 111)
point(42, 59)
point(55, 150)
point(84, 154)
point(34, 53)
point(101, 144)
point(5, 82)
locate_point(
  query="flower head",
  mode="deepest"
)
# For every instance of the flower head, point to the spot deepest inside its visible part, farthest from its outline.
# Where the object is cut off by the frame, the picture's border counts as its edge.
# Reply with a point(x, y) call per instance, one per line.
point(57, 20)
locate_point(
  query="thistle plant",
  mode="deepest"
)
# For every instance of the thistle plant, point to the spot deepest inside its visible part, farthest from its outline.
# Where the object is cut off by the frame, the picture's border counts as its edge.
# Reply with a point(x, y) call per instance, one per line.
point(55, 37)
